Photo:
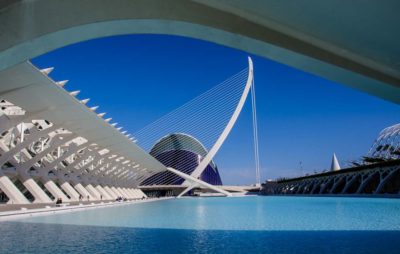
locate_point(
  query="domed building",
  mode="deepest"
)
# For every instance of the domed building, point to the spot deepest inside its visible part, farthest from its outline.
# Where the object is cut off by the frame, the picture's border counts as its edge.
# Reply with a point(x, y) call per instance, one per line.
point(184, 153)
point(386, 146)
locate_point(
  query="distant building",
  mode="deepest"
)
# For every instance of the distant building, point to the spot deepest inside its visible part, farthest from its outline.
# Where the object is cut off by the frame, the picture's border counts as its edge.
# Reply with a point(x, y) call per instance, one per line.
point(184, 153)
point(386, 145)
point(378, 173)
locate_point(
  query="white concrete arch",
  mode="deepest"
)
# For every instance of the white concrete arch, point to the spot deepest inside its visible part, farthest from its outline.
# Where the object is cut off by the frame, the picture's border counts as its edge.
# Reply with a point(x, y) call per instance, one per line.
point(213, 151)
point(281, 31)
point(193, 181)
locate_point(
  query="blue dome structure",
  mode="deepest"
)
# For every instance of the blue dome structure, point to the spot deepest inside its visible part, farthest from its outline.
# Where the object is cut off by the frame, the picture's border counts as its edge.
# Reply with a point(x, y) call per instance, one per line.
point(184, 153)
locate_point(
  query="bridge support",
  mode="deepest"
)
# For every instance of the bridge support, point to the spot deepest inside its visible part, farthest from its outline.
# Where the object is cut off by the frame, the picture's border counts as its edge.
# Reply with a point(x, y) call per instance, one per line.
point(190, 187)
point(374, 179)
point(195, 181)
point(384, 181)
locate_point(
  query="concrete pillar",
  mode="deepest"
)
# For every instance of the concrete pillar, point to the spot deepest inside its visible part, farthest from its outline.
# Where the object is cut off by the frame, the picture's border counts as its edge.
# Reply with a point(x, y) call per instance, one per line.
point(127, 195)
point(93, 192)
point(37, 192)
point(338, 181)
point(134, 193)
point(365, 182)
point(141, 193)
point(116, 191)
point(348, 184)
point(383, 181)
point(120, 192)
point(129, 190)
point(110, 192)
point(54, 190)
point(12, 192)
point(74, 195)
point(106, 196)
point(79, 187)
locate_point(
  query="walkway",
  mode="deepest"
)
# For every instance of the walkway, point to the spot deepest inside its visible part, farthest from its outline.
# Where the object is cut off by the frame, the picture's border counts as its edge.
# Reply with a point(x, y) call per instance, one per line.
point(16, 211)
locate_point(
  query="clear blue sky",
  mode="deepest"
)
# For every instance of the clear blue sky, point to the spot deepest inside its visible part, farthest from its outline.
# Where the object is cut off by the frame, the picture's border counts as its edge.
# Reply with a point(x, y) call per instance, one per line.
point(138, 78)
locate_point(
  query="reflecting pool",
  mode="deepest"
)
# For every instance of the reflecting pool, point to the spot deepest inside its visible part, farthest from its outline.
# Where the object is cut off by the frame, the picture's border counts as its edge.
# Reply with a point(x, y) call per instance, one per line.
point(215, 225)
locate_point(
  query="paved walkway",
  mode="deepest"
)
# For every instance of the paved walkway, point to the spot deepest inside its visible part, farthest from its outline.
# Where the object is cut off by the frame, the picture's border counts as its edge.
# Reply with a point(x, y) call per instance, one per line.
point(12, 211)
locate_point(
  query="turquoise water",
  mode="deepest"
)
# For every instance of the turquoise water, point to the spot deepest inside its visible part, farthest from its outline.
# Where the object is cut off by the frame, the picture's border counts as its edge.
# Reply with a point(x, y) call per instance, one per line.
point(215, 225)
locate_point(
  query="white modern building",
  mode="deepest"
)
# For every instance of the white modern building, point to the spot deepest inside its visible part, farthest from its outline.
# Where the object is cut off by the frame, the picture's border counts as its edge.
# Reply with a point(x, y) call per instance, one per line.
point(55, 146)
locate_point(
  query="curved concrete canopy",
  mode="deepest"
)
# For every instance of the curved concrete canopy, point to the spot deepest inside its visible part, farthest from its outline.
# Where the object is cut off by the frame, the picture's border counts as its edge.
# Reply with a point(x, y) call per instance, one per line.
point(42, 98)
point(178, 141)
point(351, 42)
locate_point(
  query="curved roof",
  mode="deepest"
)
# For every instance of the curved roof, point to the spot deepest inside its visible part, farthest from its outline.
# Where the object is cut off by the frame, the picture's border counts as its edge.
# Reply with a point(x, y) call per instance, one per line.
point(30, 89)
point(389, 131)
point(387, 144)
point(284, 31)
point(179, 141)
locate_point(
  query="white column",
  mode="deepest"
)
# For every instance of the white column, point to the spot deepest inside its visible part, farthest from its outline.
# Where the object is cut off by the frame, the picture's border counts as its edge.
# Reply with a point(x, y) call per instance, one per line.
point(93, 192)
point(110, 192)
point(12, 192)
point(36, 191)
point(117, 191)
point(135, 194)
point(127, 194)
point(70, 191)
point(79, 187)
point(129, 190)
point(104, 193)
point(54, 190)
point(120, 192)
point(141, 193)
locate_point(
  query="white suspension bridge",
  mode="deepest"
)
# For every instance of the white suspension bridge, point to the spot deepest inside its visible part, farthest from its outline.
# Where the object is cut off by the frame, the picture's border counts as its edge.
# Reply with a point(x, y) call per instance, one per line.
point(208, 119)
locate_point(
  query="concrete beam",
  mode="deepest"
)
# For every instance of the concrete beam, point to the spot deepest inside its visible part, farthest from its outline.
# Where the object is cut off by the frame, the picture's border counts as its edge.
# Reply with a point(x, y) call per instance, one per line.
point(37, 192)
point(74, 195)
point(283, 31)
point(12, 192)
point(54, 190)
